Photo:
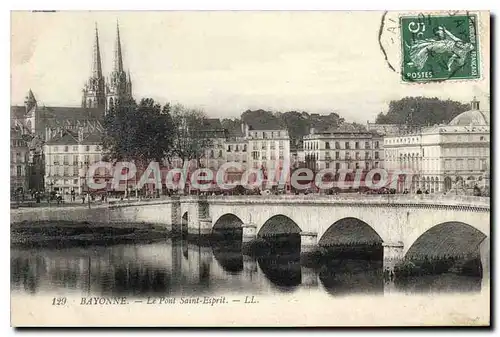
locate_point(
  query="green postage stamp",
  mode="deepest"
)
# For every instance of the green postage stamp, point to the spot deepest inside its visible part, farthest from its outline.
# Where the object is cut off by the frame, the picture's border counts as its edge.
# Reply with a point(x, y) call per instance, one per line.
point(439, 47)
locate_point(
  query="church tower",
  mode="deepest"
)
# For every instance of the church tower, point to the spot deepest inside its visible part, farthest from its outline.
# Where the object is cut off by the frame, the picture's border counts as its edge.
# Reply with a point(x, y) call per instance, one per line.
point(30, 118)
point(94, 91)
point(119, 86)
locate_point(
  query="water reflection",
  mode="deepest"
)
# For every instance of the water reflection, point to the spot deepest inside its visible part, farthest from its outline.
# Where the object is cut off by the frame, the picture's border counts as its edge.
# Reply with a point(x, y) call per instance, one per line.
point(177, 267)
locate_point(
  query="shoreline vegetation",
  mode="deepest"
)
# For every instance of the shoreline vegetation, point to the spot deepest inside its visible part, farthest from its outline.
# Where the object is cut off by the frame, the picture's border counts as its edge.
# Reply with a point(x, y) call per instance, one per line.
point(59, 234)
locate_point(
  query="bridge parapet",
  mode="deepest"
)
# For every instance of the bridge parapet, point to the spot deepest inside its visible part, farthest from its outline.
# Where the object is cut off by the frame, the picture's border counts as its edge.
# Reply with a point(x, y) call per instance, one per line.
point(472, 203)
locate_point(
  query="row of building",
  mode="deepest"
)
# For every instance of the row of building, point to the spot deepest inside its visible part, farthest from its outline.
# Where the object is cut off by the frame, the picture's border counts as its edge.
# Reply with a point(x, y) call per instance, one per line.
point(53, 147)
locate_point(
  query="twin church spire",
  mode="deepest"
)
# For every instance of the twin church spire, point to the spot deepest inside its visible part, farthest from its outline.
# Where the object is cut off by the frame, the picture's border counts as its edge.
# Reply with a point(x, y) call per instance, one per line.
point(102, 94)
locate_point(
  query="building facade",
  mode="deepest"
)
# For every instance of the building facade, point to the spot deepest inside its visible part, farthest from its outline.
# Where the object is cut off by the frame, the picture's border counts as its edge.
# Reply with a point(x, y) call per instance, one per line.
point(267, 148)
point(19, 168)
point(445, 157)
point(68, 156)
point(346, 147)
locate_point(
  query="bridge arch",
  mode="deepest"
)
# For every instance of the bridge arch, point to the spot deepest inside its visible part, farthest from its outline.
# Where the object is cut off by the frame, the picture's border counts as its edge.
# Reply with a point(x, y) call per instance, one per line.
point(226, 221)
point(452, 238)
point(350, 230)
point(419, 225)
point(277, 225)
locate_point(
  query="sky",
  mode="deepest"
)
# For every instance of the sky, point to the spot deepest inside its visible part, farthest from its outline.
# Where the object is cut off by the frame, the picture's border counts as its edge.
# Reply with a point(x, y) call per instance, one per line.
point(226, 62)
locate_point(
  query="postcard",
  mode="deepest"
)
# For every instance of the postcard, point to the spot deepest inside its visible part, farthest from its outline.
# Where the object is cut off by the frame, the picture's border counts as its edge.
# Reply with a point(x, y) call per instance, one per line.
point(250, 168)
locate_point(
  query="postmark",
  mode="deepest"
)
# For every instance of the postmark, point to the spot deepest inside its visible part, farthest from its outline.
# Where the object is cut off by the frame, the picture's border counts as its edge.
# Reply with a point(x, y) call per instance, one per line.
point(439, 47)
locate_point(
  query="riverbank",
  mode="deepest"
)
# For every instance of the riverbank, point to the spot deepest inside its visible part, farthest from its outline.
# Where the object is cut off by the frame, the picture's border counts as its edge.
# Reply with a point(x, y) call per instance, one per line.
point(60, 234)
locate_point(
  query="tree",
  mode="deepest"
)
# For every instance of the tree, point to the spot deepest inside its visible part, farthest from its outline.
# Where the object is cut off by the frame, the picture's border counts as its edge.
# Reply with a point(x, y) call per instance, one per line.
point(192, 136)
point(421, 111)
point(138, 132)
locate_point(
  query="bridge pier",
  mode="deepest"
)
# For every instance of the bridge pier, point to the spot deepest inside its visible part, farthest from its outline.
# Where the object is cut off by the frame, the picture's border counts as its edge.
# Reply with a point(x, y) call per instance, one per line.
point(249, 265)
point(393, 253)
point(176, 216)
point(484, 253)
point(309, 277)
point(308, 242)
point(249, 232)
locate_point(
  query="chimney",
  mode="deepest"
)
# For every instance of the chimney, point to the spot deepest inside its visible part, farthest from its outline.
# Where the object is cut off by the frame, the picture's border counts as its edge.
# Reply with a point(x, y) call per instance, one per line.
point(474, 104)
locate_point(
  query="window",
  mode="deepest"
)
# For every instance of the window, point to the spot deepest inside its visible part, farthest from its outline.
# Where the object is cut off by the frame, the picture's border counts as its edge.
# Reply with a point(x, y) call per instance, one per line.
point(75, 171)
point(244, 148)
point(367, 145)
point(327, 146)
point(281, 144)
point(471, 164)
point(347, 155)
point(66, 148)
point(75, 181)
point(483, 165)
point(337, 166)
point(237, 148)
point(376, 144)
point(273, 145)
point(376, 155)
point(229, 148)
point(18, 170)
point(264, 145)
point(376, 164)
point(87, 148)
point(211, 153)
point(367, 165)
point(337, 155)
point(75, 147)
point(65, 160)
point(56, 160)
point(357, 155)
point(220, 153)
point(87, 159)
point(367, 155)
point(337, 145)
point(357, 166)
point(75, 160)
point(356, 145)
point(66, 171)
point(347, 146)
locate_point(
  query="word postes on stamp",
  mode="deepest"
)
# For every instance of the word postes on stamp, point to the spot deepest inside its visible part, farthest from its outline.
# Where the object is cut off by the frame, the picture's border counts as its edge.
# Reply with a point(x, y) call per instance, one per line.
point(439, 47)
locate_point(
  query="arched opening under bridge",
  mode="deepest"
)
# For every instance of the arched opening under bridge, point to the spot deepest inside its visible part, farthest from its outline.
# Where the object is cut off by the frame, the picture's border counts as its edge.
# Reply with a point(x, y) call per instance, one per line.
point(447, 257)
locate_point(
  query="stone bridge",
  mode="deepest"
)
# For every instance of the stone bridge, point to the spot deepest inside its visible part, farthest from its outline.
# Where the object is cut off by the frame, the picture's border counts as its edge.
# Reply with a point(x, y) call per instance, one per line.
point(403, 224)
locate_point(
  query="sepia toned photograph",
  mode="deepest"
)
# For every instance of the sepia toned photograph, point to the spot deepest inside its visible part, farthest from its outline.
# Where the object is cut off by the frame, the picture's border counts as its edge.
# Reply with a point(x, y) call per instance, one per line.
point(250, 168)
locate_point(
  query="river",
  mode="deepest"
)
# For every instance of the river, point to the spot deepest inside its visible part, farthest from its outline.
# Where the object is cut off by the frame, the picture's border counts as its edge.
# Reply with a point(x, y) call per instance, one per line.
point(176, 267)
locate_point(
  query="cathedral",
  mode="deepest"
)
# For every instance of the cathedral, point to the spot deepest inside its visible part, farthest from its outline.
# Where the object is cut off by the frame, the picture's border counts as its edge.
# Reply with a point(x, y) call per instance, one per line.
point(41, 126)
point(102, 94)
